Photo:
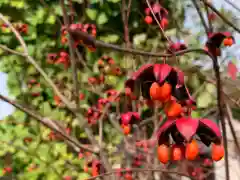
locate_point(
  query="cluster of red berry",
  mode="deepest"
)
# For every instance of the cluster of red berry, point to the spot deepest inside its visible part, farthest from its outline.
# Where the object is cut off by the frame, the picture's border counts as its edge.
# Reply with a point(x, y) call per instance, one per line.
point(167, 89)
point(87, 28)
point(7, 170)
point(94, 167)
point(95, 112)
point(20, 27)
point(61, 58)
point(160, 13)
point(57, 137)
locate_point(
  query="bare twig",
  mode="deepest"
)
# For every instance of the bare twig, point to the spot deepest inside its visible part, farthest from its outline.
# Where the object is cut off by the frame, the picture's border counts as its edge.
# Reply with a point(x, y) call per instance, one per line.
point(139, 170)
point(30, 153)
point(221, 16)
point(234, 5)
point(33, 62)
point(5, 48)
point(72, 55)
point(230, 119)
point(48, 123)
point(125, 17)
point(200, 15)
point(221, 113)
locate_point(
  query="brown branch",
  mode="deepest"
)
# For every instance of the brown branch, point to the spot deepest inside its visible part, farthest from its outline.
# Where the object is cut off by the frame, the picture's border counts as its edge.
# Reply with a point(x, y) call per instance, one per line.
point(219, 93)
point(31, 153)
point(72, 55)
point(33, 62)
point(48, 123)
point(210, 28)
point(69, 105)
point(200, 15)
point(221, 113)
point(233, 5)
point(5, 48)
point(221, 16)
point(139, 170)
point(89, 40)
point(126, 9)
point(230, 119)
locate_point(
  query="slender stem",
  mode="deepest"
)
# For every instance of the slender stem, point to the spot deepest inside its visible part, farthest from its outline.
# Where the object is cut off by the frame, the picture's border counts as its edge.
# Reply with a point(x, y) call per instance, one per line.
point(48, 123)
point(230, 119)
point(72, 55)
point(200, 15)
point(209, 20)
point(233, 4)
point(33, 62)
point(221, 114)
point(140, 170)
point(221, 16)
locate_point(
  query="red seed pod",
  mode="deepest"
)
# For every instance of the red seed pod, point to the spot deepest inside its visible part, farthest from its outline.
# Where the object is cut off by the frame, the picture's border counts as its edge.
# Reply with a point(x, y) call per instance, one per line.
point(217, 152)
point(163, 153)
point(192, 150)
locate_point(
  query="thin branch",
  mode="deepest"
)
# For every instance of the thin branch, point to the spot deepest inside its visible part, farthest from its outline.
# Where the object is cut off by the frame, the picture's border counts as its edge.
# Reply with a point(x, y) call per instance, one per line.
point(221, 113)
point(33, 155)
point(100, 44)
point(230, 119)
point(69, 105)
point(139, 170)
point(33, 62)
point(72, 55)
point(125, 17)
point(5, 48)
point(221, 16)
point(48, 123)
point(219, 96)
point(234, 5)
point(200, 15)
point(210, 28)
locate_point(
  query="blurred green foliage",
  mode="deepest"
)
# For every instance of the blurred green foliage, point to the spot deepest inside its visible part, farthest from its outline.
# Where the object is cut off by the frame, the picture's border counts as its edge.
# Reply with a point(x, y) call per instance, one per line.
point(54, 159)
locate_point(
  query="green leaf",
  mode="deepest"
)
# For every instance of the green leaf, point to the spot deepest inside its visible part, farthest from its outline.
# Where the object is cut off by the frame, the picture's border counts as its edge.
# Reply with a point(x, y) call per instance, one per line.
point(114, 1)
point(19, 116)
point(83, 176)
point(91, 13)
point(17, 3)
point(51, 19)
point(102, 19)
point(210, 88)
point(204, 100)
point(111, 38)
point(195, 114)
point(139, 38)
point(46, 109)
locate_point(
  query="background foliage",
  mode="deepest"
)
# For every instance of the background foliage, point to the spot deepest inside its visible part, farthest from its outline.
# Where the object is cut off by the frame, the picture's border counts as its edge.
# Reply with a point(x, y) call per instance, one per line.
point(25, 144)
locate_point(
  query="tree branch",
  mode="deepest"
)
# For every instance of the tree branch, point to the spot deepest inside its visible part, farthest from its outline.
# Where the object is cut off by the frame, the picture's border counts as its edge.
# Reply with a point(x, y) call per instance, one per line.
point(200, 15)
point(48, 123)
point(138, 170)
point(230, 119)
point(221, 16)
point(72, 55)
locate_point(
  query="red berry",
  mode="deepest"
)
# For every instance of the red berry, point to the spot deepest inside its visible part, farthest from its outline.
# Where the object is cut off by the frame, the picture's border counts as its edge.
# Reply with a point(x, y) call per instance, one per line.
point(217, 152)
point(164, 23)
point(148, 20)
point(128, 176)
point(163, 153)
point(177, 152)
point(191, 150)
point(228, 41)
point(160, 93)
point(126, 129)
point(173, 109)
point(67, 178)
